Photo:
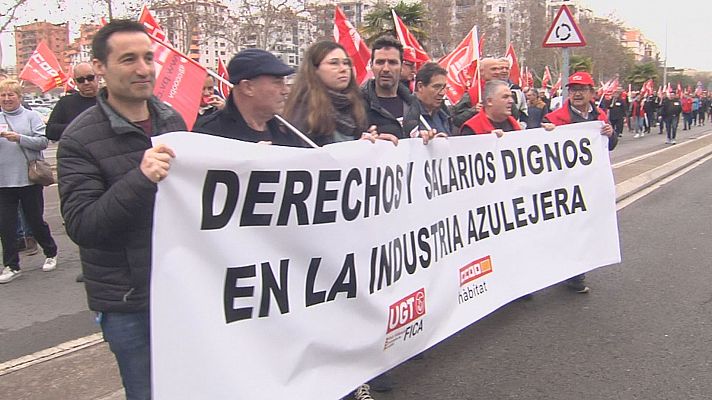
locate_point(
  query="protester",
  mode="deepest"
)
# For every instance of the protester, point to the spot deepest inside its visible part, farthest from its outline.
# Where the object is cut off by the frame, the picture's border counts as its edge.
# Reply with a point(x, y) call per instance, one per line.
point(686, 104)
point(695, 109)
point(579, 107)
point(637, 116)
point(387, 101)
point(209, 101)
point(108, 175)
point(497, 116)
point(325, 102)
point(704, 108)
point(490, 68)
point(536, 109)
point(70, 106)
point(408, 69)
point(430, 86)
point(22, 139)
point(649, 106)
point(519, 106)
point(670, 110)
point(617, 108)
point(259, 92)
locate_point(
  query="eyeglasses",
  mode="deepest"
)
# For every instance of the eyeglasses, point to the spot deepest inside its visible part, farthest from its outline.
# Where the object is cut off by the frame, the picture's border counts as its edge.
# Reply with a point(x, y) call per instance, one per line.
point(438, 87)
point(580, 89)
point(336, 63)
point(82, 79)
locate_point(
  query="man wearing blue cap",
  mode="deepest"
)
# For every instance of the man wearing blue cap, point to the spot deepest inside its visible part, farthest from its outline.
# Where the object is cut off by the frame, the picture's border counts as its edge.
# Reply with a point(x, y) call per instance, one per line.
point(259, 92)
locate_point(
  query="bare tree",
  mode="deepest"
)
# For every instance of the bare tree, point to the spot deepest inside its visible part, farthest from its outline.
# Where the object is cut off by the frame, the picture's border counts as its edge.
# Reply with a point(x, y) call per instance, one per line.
point(8, 17)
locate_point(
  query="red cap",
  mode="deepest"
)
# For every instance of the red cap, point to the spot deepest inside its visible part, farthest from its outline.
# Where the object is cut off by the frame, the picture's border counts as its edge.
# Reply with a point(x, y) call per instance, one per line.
point(580, 78)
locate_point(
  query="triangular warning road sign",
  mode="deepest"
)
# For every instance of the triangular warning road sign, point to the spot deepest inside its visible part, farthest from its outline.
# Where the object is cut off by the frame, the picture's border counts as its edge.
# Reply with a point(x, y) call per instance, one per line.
point(564, 32)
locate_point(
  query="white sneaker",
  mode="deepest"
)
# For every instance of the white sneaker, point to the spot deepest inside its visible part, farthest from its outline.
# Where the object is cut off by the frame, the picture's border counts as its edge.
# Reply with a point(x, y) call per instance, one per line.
point(8, 274)
point(363, 392)
point(50, 264)
point(637, 135)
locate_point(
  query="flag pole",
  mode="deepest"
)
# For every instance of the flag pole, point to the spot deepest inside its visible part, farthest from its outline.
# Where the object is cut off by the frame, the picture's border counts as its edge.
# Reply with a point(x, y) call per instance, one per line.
point(296, 131)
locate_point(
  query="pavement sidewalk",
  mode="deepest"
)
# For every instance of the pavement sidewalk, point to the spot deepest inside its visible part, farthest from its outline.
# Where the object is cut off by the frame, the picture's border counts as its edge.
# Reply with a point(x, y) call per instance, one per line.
point(86, 370)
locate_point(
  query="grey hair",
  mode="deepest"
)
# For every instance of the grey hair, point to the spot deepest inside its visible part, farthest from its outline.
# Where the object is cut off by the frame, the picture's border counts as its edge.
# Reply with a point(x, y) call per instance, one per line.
point(491, 87)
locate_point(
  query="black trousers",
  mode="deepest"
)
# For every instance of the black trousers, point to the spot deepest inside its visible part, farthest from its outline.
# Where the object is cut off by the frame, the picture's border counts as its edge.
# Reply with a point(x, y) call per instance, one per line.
point(617, 125)
point(32, 200)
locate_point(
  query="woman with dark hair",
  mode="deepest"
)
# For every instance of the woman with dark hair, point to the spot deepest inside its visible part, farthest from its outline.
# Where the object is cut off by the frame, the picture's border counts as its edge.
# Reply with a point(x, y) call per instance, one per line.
point(325, 102)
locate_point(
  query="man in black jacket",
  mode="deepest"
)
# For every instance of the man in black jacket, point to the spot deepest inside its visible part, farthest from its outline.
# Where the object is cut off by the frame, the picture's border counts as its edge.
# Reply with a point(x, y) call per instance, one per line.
point(71, 105)
point(387, 100)
point(617, 108)
point(670, 110)
point(108, 173)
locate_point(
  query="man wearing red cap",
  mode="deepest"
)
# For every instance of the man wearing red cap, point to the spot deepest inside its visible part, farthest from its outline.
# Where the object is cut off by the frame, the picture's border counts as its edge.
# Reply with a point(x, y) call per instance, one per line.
point(409, 68)
point(579, 107)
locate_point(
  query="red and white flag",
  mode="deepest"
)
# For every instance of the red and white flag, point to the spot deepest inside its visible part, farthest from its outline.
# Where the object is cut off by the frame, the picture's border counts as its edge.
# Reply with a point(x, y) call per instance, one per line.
point(461, 66)
point(152, 26)
point(511, 56)
point(223, 88)
point(179, 80)
point(43, 69)
point(556, 87)
point(409, 42)
point(546, 78)
point(346, 35)
point(647, 88)
point(529, 78)
point(70, 85)
point(679, 89)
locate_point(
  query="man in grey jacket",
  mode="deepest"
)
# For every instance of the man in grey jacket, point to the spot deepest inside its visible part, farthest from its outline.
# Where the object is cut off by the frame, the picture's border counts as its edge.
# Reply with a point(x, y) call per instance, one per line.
point(108, 173)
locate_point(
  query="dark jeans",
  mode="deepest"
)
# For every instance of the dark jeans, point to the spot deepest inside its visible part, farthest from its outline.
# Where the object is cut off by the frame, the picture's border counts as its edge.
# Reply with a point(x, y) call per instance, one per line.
point(687, 121)
point(129, 338)
point(32, 200)
point(23, 230)
point(617, 125)
point(671, 126)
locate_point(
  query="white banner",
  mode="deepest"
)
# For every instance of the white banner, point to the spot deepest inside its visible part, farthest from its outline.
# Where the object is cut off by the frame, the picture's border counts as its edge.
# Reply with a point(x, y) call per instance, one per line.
point(306, 272)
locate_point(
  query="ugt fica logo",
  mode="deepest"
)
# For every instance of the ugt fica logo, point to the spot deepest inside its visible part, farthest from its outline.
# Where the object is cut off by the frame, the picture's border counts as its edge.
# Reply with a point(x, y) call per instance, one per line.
point(404, 318)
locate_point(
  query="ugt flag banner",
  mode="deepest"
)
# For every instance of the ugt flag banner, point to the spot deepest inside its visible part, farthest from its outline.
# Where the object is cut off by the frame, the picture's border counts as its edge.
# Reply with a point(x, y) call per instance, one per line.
point(43, 69)
point(301, 273)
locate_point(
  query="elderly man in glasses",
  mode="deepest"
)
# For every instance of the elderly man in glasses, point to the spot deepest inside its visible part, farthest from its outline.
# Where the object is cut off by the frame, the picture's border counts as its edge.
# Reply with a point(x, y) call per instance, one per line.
point(70, 106)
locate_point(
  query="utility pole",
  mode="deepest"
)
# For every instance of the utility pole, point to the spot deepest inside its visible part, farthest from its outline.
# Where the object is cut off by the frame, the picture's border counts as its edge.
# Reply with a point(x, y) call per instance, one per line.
point(508, 24)
point(665, 62)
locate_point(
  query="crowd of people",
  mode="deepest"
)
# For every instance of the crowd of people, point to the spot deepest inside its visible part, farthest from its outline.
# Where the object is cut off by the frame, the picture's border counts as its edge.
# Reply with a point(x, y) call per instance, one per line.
point(108, 170)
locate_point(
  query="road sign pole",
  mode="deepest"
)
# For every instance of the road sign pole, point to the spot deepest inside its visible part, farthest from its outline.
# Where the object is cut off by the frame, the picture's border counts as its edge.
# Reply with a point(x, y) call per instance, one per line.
point(564, 72)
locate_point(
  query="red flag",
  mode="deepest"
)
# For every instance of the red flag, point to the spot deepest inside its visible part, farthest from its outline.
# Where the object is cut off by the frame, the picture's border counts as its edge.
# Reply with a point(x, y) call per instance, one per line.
point(147, 19)
point(179, 80)
point(70, 85)
point(611, 86)
point(556, 87)
point(679, 89)
point(223, 88)
point(461, 66)
point(43, 69)
point(660, 91)
point(529, 78)
point(668, 90)
point(511, 56)
point(546, 78)
point(647, 88)
point(409, 42)
point(346, 35)
point(102, 21)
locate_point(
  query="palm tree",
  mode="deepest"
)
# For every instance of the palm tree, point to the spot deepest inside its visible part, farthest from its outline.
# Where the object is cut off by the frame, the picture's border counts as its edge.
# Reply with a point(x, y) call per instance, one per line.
point(379, 21)
point(642, 72)
point(580, 63)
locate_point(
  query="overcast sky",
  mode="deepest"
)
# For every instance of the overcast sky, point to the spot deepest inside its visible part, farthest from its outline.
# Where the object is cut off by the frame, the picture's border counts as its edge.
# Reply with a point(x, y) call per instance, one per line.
point(688, 22)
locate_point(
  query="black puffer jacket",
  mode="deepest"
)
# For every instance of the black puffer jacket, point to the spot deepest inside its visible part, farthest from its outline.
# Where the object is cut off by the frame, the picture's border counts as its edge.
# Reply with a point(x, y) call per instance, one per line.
point(107, 203)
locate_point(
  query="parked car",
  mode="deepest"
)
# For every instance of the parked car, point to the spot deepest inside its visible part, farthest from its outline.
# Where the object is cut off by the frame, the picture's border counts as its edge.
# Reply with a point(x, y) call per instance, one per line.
point(44, 111)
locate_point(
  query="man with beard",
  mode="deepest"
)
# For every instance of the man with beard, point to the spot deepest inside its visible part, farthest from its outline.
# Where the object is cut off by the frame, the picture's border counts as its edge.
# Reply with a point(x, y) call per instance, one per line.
point(387, 100)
